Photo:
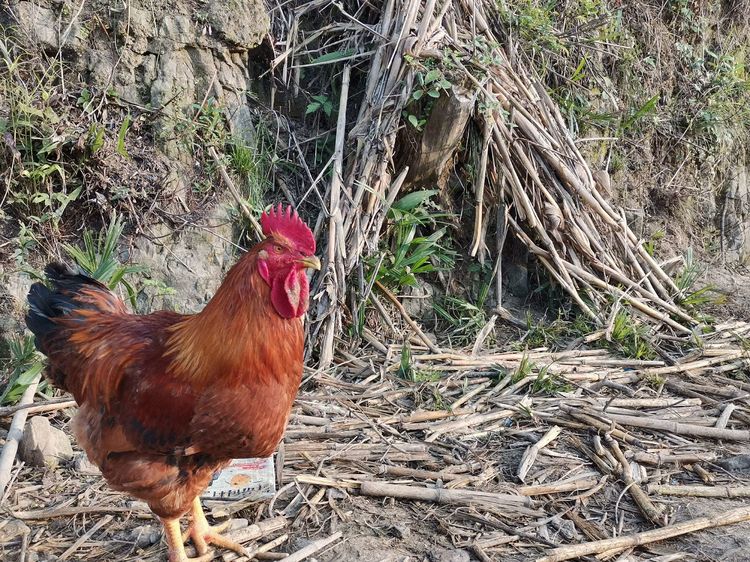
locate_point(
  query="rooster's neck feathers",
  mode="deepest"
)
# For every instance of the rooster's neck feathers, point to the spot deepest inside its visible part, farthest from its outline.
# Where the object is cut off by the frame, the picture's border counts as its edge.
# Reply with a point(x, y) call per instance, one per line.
point(239, 323)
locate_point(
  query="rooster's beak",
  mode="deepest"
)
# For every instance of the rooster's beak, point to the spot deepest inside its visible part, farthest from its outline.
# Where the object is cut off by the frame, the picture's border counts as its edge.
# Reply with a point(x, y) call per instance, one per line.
point(311, 262)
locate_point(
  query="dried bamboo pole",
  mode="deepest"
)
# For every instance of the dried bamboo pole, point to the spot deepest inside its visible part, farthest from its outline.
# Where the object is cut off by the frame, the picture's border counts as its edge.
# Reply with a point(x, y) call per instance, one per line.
point(647, 537)
point(313, 547)
point(726, 413)
point(31, 408)
point(653, 513)
point(514, 504)
point(258, 552)
point(422, 474)
point(334, 261)
point(575, 485)
point(479, 189)
point(41, 514)
point(584, 241)
point(680, 428)
point(405, 315)
point(659, 459)
point(699, 491)
point(15, 432)
point(529, 456)
point(86, 536)
point(464, 422)
point(696, 365)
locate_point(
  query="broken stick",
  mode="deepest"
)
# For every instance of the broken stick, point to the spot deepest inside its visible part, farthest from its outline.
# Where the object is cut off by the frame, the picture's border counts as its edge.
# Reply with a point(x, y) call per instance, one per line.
point(647, 537)
point(313, 547)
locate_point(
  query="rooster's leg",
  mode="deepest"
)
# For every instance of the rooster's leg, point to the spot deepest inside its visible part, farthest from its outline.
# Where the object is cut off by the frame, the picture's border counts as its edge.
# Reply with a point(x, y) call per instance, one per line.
point(203, 534)
point(175, 544)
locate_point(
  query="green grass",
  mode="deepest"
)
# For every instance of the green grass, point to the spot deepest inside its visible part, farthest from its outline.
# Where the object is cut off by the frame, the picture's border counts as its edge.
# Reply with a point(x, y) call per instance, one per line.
point(691, 296)
point(407, 371)
point(98, 257)
point(24, 364)
point(62, 151)
point(416, 242)
point(555, 334)
point(253, 163)
point(461, 320)
point(629, 336)
point(524, 369)
point(697, 94)
point(40, 160)
point(550, 383)
point(250, 159)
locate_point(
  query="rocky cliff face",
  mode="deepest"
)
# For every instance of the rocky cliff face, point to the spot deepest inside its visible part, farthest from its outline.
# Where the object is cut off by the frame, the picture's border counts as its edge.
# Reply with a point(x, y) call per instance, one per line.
point(164, 55)
point(152, 55)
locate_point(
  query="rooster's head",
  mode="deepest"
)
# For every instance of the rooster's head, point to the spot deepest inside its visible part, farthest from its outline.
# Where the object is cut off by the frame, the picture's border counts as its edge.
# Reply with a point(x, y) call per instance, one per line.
point(283, 257)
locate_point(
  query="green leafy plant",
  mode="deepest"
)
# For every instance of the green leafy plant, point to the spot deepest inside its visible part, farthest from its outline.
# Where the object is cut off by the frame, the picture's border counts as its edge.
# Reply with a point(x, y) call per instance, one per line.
point(635, 115)
point(332, 57)
point(405, 370)
point(320, 103)
point(650, 244)
point(630, 336)
point(686, 281)
point(98, 258)
point(27, 241)
point(204, 126)
point(463, 318)
point(524, 369)
point(30, 127)
point(553, 334)
point(549, 383)
point(430, 84)
point(25, 365)
point(121, 150)
point(410, 254)
point(49, 135)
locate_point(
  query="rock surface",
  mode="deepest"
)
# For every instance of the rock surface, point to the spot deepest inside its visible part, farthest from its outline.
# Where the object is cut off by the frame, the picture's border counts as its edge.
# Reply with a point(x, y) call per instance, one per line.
point(12, 529)
point(153, 52)
point(145, 535)
point(171, 56)
point(191, 263)
point(44, 445)
point(418, 300)
point(83, 465)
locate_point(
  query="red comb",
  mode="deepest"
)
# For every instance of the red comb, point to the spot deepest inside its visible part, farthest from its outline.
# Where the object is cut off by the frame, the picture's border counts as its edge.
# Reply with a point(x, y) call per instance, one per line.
point(287, 223)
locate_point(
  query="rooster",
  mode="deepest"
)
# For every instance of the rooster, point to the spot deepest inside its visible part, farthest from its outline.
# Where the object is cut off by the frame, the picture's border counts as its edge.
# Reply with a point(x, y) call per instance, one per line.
point(167, 399)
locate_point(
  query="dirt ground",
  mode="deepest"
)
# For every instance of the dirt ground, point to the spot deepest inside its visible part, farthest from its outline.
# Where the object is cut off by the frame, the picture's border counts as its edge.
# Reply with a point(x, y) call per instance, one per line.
point(363, 423)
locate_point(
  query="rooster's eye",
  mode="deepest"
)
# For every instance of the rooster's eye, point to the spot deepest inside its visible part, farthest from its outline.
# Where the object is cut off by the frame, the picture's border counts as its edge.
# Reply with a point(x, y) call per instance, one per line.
point(278, 249)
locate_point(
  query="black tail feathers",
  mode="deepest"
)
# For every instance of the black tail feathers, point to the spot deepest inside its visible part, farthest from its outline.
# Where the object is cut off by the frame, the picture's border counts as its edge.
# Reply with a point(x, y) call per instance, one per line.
point(46, 304)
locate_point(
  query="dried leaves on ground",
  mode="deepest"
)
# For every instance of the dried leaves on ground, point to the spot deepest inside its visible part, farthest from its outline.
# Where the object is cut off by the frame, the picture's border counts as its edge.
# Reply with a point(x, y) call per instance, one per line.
point(515, 455)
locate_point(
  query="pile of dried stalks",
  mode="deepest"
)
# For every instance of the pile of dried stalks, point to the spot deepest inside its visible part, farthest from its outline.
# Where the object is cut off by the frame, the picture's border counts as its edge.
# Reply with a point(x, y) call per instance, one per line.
point(514, 456)
point(530, 176)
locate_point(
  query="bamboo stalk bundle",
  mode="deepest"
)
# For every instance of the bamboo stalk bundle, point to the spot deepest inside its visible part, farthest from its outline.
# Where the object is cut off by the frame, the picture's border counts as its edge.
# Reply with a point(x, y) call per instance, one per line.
point(529, 169)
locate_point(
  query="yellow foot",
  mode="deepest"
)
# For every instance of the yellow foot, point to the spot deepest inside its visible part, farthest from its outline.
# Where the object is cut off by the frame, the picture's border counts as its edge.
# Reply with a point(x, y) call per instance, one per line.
point(175, 544)
point(203, 534)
